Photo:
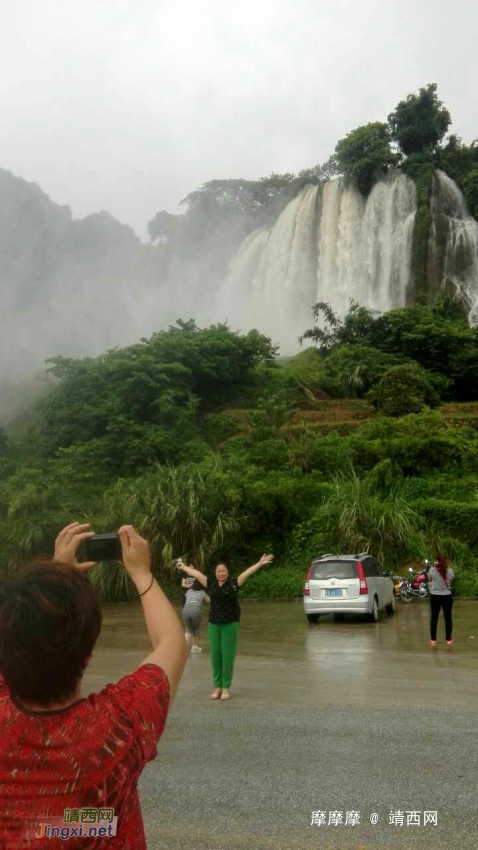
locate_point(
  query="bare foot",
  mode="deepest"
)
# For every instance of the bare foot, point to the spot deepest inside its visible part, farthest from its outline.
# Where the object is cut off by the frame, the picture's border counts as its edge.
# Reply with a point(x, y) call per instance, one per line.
point(433, 643)
point(450, 643)
point(216, 694)
point(225, 694)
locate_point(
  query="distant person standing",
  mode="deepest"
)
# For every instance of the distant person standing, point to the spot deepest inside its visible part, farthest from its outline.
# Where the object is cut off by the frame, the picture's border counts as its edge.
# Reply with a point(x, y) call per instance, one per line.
point(224, 616)
point(192, 614)
point(440, 577)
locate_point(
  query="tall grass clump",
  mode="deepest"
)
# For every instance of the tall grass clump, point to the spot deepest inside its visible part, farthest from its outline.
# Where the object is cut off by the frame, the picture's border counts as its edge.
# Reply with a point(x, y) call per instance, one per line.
point(178, 510)
point(374, 520)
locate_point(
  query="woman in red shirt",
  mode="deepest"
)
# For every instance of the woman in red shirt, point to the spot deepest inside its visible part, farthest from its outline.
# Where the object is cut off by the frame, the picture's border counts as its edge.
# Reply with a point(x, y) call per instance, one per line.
point(61, 752)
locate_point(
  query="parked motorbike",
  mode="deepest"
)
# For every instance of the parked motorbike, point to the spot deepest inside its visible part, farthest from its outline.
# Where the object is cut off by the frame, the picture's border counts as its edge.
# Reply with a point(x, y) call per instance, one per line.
point(397, 583)
point(416, 587)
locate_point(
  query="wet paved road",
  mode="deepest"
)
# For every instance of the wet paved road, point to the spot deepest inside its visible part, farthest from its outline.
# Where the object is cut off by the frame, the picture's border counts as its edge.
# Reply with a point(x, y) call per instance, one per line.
point(339, 716)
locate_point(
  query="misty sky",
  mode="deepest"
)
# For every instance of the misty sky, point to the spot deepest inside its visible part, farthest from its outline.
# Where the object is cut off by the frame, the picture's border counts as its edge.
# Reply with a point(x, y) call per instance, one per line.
point(127, 105)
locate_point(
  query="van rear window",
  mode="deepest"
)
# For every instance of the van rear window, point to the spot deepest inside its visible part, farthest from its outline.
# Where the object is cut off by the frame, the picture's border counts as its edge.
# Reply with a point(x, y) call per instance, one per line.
point(333, 569)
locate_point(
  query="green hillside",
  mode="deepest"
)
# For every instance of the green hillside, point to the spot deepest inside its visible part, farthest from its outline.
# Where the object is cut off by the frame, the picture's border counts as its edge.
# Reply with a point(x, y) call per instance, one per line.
point(214, 448)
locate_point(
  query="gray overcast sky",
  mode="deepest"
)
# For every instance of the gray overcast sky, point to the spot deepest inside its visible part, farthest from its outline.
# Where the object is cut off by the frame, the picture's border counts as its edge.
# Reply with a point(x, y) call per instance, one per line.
point(127, 105)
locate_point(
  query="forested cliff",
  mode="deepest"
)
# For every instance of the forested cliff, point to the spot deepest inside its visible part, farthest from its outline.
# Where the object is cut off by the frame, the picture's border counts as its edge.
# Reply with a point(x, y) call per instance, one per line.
point(197, 433)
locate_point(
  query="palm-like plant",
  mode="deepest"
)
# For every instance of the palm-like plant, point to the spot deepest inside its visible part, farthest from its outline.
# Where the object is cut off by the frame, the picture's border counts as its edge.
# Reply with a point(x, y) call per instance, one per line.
point(179, 511)
point(370, 520)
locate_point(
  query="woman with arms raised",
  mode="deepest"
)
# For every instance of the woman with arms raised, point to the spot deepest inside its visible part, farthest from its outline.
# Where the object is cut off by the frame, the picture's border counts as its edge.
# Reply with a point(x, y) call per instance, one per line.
point(224, 616)
point(61, 751)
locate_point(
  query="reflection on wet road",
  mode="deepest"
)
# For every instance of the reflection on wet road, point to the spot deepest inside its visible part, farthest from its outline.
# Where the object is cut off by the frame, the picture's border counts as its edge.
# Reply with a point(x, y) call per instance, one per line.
point(335, 716)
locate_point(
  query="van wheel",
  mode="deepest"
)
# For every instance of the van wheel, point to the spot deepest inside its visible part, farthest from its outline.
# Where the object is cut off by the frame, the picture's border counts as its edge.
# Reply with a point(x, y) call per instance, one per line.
point(375, 614)
point(393, 606)
point(313, 618)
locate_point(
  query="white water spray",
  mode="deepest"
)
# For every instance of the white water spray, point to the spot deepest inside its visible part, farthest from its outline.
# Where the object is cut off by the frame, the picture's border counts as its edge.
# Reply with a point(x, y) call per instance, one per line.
point(458, 231)
point(327, 245)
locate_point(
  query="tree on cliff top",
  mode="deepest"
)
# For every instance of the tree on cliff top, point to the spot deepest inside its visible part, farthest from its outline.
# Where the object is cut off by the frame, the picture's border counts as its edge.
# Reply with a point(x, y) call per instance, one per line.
point(419, 122)
point(364, 154)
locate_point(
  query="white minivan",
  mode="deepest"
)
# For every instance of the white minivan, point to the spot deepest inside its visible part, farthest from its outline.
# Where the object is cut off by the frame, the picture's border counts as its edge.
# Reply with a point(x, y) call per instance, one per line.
point(347, 584)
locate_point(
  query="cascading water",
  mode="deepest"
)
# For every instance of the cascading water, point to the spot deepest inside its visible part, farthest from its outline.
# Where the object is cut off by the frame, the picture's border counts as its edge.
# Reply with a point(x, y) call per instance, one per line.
point(271, 282)
point(454, 243)
point(386, 240)
point(330, 245)
point(365, 247)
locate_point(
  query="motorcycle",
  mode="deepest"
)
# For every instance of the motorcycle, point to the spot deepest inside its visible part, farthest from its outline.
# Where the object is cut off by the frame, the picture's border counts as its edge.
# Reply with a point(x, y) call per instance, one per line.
point(416, 587)
point(397, 583)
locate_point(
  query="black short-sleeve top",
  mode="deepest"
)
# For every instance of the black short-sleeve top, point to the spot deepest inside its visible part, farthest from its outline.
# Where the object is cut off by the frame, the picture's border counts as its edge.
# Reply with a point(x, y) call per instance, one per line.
point(224, 607)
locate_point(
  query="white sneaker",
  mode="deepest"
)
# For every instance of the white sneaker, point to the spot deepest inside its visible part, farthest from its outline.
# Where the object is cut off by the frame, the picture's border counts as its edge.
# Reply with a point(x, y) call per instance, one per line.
point(196, 649)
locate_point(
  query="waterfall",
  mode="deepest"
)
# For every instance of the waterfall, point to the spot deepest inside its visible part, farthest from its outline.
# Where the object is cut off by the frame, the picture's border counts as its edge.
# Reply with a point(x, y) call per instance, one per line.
point(271, 280)
point(455, 232)
point(288, 257)
point(330, 245)
point(365, 247)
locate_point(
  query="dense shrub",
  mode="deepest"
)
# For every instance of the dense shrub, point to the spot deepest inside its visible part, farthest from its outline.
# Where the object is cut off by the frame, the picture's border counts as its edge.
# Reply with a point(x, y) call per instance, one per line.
point(471, 192)
point(359, 367)
point(415, 445)
point(328, 455)
point(403, 390)
point(218, 427)
point(458, 519)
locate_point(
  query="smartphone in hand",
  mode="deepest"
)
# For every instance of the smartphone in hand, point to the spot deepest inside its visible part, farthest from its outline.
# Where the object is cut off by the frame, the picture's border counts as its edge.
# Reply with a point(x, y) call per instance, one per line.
point(103, 547)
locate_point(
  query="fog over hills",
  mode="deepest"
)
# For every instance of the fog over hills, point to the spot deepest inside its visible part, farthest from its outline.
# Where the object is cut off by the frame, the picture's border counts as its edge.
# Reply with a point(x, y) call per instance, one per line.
point(65, 286)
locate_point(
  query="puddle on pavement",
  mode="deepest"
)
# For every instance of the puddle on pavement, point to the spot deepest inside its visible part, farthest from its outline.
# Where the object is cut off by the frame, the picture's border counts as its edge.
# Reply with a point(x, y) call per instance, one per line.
point(280, 630)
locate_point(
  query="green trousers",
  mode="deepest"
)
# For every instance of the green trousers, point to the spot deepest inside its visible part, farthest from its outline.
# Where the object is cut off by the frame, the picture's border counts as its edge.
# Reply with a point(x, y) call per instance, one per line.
point(223, 643)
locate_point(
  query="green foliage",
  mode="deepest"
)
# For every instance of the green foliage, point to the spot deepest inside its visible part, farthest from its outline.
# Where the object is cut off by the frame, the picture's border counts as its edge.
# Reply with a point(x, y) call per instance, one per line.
point(328, 455)
point(402, 390)
point(165, 228)
point(415, 445)
point(310, 539)
point(457, 519)
point(4, 448)
point(276, 582)
point(269, 454)
point(436, 336)
point(320, 173)
point(420, 168)
point(457, 160)
point(420, 121)
point(365, 154)
point(438, 341)
point(471, 191)
point(183, 512)
point(269, 418)
point(250, 469)
point(330, 330)
point(227, 210)
point(359, 367)
point(371, 521)
point(131, 407)
point(219, 427)
point(312, 377)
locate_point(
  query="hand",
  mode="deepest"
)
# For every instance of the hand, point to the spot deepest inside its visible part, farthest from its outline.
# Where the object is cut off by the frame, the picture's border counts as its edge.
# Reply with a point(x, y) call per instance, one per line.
point(136, 554)
point(179, 565)
point(266, 559)
point(67, 542)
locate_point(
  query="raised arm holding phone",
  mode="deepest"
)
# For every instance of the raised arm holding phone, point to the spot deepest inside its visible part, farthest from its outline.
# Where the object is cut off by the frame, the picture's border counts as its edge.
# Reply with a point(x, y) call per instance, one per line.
point(57, 749)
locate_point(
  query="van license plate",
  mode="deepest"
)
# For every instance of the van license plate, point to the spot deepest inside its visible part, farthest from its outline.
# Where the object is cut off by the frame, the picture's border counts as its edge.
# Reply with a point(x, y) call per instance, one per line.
point(333, 592)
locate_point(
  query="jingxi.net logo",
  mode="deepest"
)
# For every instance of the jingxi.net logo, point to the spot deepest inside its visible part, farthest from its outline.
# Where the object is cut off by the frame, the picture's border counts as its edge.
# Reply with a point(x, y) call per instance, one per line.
point(79, 823)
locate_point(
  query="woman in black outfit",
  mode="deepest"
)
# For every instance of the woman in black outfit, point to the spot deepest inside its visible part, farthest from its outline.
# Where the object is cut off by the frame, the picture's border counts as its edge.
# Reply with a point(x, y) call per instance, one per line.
point(224, 615)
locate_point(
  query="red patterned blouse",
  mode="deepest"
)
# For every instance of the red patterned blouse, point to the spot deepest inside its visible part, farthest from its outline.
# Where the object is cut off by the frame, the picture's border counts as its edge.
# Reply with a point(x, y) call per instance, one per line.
point(88, 755)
